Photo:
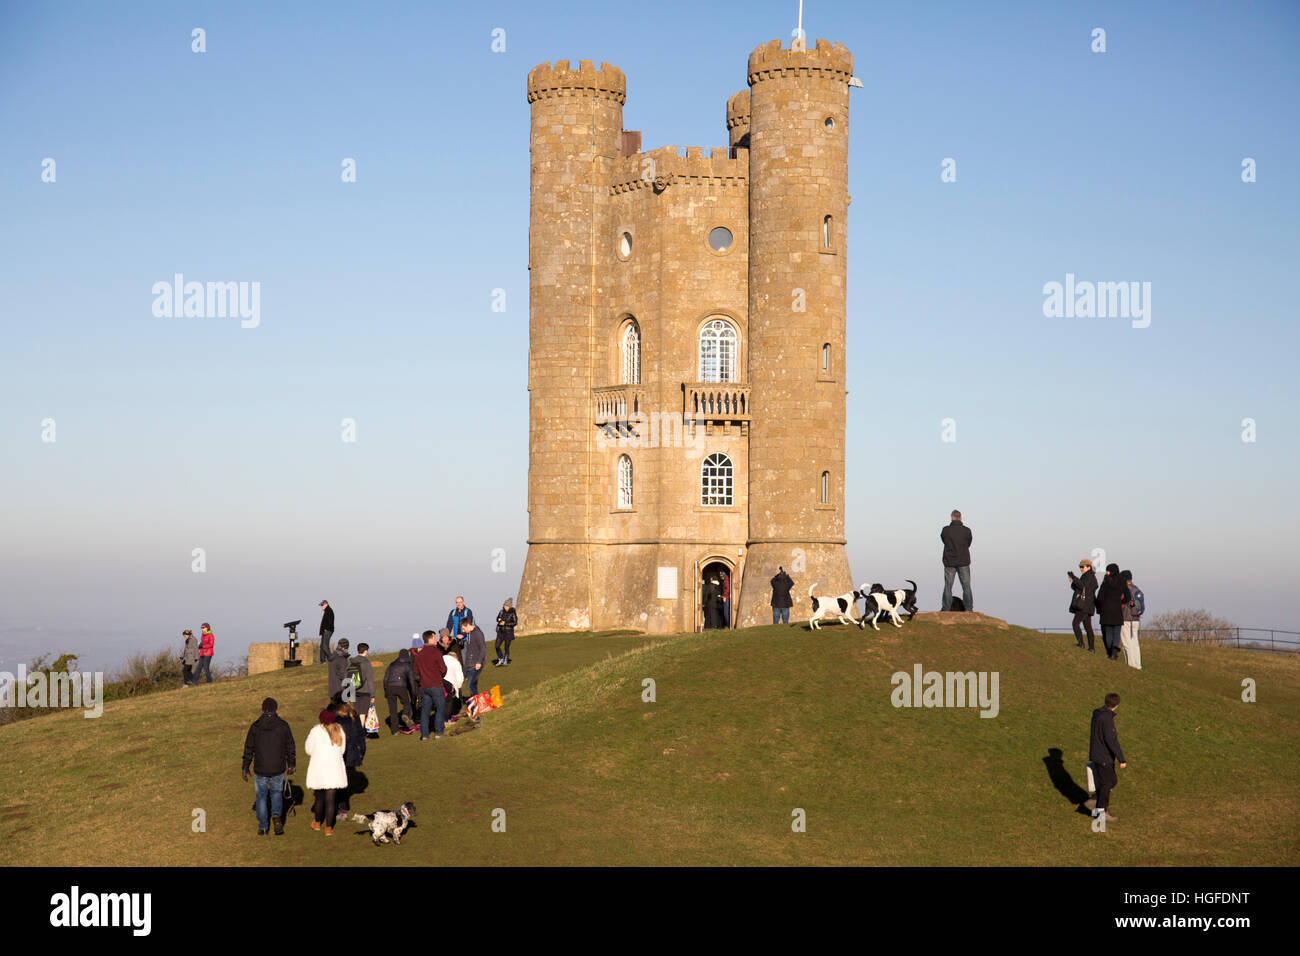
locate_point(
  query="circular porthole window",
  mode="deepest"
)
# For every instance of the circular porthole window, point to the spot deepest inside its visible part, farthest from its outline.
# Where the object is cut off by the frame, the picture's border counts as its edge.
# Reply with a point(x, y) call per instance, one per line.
point(720, 239)
point(830, 122)
point(625, 245)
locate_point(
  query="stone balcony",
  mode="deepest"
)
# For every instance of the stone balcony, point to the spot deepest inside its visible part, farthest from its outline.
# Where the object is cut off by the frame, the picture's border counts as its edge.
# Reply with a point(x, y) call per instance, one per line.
point(716, 401)
point(619, 403)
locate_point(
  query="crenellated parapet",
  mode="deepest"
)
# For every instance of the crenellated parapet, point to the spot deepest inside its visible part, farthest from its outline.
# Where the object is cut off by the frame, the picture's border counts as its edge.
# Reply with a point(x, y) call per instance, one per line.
point(546, 80)
point(825, 59)
point(738, 109)
point(663, 167)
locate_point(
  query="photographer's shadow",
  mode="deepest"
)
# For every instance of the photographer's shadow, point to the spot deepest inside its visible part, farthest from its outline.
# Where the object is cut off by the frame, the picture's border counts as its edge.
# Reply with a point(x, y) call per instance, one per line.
point(1062, 780)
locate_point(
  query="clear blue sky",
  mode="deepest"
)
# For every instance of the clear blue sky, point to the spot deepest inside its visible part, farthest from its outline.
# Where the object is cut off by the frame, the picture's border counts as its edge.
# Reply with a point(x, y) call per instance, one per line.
point(174, 434)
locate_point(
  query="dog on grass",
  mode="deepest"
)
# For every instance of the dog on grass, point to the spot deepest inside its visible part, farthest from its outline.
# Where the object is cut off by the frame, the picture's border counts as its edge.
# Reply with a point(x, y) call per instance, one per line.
point(384, 823)
point(841, 607)
point(897, 599)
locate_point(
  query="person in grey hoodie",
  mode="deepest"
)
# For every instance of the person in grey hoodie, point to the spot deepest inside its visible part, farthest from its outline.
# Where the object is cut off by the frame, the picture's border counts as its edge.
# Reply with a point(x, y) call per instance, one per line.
point(338, 670)
point(475, 655)
point(189, 657)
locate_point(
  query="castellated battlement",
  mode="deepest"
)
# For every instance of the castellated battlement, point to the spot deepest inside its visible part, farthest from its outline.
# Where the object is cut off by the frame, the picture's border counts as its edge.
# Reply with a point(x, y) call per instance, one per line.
point(738, 109)
point(771, 59)
point(664, 167)
point(559, 80)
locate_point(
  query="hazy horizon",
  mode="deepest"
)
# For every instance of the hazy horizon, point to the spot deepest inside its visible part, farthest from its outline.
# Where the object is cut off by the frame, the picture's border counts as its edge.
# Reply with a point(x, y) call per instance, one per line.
point(376, 303)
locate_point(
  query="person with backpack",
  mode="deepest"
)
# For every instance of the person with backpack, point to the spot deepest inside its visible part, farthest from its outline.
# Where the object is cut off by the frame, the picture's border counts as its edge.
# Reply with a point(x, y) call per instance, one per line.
point(507, 621)
point(338, 670)
point(1110, 604)
point(326, 772)
point(781, 602)
point(1084, 604)
point(207, 641)
point(269, 749)
point(361, 673)
point(399, 686)
point(189, 657)
point(1135, 606)
point(354, 752)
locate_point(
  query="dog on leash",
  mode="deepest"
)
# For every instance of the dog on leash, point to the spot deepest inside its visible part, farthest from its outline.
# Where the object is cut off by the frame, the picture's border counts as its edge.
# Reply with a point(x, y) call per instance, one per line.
point(384, 823)
point(841, 607)
point(889, 602)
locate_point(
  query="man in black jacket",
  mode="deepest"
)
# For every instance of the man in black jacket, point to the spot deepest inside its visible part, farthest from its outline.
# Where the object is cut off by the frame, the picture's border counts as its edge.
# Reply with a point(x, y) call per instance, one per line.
point(1111, 597)
point(269, 749)
point(956, 538)
point(1104, 751)
point(781, 603)
point(326, 631)
point(399, 685)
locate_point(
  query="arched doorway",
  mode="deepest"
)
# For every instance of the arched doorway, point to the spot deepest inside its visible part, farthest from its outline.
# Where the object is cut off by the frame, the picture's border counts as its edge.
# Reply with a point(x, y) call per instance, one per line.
point(715, 590)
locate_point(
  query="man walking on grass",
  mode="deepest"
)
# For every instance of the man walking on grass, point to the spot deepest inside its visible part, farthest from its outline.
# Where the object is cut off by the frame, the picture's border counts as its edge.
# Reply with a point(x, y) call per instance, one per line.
point(268, 747)
point(1104, 751)
point(956, 538)
point(430, 669)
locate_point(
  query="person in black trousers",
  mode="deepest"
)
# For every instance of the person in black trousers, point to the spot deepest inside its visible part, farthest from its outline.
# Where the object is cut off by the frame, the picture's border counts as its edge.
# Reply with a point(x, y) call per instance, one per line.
point(326, 632)
point(354, 753)
point(1110, 604)
point(1084, 605)
point(1104, 751)
point(507, 620)
point(399, 685)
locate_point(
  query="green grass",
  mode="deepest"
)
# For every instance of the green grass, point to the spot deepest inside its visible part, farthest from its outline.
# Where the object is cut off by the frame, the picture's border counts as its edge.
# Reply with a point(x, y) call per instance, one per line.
point(747, 726)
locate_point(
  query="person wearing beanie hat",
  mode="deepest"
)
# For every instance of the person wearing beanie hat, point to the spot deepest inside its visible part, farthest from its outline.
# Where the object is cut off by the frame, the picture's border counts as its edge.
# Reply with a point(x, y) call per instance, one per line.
point(326, 772)
point(507, 620)
point(269, 749)
point(1110, 605)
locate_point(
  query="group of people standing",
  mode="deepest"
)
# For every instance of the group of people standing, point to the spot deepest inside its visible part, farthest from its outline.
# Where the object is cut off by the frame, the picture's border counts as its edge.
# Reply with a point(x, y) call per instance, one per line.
point(435, 673)
point(196, 657)
point(1118, 601)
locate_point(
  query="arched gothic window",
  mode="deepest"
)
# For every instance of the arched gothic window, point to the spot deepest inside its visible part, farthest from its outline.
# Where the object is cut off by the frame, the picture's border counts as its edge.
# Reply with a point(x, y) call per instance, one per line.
point(718, 351)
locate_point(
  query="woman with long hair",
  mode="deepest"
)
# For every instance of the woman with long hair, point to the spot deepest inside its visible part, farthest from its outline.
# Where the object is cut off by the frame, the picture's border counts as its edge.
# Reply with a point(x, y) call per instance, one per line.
point(326, 773)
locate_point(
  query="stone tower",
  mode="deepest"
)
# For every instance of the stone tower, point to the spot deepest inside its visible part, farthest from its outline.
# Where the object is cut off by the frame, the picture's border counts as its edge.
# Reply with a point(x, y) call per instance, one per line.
point(686, 360)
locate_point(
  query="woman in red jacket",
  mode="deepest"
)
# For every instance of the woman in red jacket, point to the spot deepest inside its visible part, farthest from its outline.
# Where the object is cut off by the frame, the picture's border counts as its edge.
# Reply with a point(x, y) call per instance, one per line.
point(206, 640)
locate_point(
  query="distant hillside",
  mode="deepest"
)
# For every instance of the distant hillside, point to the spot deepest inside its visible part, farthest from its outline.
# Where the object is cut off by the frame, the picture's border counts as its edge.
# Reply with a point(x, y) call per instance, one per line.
point(747, 728)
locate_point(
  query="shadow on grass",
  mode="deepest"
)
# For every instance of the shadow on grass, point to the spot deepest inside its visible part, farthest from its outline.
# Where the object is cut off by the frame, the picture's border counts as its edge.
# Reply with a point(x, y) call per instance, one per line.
point(1063, 782)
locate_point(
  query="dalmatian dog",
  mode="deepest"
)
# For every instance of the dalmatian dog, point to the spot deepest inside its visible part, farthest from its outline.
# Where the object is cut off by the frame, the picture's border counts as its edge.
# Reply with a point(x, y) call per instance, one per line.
point(384, 823)
point(842, 607)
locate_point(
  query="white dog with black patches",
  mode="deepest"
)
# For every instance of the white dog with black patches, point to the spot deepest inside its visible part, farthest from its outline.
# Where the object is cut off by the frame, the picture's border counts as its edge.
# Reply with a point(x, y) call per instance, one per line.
point(881, 602)
point(841, 607)
point(382, 823)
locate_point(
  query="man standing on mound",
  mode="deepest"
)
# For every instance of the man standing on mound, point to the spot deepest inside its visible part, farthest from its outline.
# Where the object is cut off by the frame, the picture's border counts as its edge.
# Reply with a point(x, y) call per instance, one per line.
point(956, 538)
point(1104, 751)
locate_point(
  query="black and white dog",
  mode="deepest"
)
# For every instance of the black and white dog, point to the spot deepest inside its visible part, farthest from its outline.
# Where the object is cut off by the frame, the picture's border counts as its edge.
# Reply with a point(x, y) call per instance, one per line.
point(889, 602)
point(382, 823)
point(841, 607)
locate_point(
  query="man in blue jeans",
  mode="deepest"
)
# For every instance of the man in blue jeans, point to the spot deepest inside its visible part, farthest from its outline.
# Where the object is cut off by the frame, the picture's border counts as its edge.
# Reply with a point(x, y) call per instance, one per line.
point(430, 669)
point(269, 749)
point(956, 538)
point(781, 585)
point(475, 656)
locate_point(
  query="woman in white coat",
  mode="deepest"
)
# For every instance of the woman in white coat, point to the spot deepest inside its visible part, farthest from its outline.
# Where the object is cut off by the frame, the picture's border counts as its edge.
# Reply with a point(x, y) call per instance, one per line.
point(326, 773)
point(455, 679)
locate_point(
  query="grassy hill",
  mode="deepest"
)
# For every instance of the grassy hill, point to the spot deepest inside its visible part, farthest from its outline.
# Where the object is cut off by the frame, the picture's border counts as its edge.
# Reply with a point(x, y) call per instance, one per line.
point(747, 726)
